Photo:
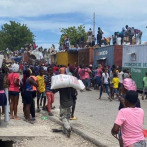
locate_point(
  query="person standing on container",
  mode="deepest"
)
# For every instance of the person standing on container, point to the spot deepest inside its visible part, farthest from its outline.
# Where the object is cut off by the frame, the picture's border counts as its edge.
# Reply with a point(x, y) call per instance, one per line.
point(13, 79)
point(93, 40)
point(122, 35)
point(130, 32)
point(99, 38)
point(138, 35)
point(99, 75)
point(105, 83)
point(90, 37)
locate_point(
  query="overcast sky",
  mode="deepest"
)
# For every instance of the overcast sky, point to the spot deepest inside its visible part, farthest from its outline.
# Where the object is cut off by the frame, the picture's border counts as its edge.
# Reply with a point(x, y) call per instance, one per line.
point(45, 17)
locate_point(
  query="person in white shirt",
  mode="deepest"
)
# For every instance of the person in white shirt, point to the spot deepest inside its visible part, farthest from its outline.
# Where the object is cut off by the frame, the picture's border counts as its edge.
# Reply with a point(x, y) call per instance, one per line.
point(120, 76)
point(105, 83)
point(67, 69)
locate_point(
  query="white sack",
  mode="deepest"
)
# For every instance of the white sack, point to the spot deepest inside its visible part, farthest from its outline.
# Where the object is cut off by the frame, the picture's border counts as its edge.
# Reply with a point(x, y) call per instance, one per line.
point(138, 40)
point(64, 81)
point(118, 40)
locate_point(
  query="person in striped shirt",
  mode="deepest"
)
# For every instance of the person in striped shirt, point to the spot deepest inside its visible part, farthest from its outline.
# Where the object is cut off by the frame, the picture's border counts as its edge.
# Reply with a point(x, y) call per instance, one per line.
point(49, 93)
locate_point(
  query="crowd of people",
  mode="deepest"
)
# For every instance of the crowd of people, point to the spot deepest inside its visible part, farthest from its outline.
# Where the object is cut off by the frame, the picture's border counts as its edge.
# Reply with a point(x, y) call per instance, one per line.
point(129, 32)
point(126, 35)
point(36, 82)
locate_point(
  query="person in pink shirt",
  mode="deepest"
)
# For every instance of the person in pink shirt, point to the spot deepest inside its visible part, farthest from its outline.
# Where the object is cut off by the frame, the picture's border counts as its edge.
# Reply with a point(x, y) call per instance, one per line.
point(87, 78)
point(81, 72)
point(130, 120)
point(13, 79)
point(99, 75)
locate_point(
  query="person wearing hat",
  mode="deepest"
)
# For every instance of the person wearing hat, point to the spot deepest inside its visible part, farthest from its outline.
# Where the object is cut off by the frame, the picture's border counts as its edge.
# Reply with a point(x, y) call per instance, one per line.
point(130, 121)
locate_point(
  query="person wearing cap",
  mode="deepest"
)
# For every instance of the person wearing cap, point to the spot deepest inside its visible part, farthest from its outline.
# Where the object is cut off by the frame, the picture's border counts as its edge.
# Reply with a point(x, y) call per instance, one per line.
point(130, 121)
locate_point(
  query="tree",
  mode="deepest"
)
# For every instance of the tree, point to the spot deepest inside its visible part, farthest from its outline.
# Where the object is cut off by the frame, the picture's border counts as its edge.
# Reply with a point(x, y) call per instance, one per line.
point(74, 34)
point(14, 36)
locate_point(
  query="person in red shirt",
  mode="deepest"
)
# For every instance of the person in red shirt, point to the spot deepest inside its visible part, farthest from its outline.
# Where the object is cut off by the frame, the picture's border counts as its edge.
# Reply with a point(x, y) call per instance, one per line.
point(21, 68)
point(13, 79)
point(87, 78)
point(55, 68)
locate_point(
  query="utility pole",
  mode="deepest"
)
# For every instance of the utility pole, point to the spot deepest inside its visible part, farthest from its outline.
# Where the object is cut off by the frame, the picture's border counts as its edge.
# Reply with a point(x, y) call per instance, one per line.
point(94, 23)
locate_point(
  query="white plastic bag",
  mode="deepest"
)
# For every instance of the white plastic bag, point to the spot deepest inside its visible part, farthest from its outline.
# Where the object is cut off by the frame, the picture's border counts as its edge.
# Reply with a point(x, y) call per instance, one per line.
point(64, 81)
point(15, 67)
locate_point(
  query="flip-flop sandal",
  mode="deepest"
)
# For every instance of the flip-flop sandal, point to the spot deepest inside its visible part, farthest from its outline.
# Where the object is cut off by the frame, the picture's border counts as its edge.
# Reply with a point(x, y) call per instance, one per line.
point(57, 130)
point(29, 121)
point(73, 118)
point(53, 107)
point(38, 110)
point(17, 118)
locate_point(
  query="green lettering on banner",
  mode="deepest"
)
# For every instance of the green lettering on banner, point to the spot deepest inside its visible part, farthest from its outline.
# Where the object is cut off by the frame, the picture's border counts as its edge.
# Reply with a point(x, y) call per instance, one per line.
point(135, 64)
point(144, 64)
point(139, 64)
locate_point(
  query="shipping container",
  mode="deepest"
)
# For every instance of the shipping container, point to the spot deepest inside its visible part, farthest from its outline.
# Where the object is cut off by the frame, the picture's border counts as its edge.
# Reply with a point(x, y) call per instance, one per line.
point(135, 59)
point(68, 57)
point(85, 56)
point(108, 55)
